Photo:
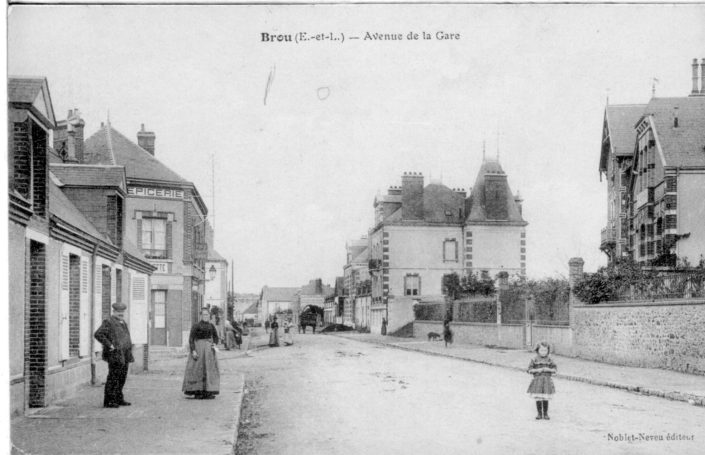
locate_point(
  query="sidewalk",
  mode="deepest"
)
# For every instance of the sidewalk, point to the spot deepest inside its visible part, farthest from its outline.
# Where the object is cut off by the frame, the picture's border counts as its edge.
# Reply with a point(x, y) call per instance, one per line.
point(647, 381)
point(161, 419)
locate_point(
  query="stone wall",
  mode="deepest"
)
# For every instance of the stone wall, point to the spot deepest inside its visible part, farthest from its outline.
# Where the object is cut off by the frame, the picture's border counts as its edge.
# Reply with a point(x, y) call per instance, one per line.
point(506, 336)
point(559, 337)
point(666, 335)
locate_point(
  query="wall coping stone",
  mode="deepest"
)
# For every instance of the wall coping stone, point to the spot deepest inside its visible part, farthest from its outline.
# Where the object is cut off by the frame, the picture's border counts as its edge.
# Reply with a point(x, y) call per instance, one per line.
point(482, 324)
point(646, 303)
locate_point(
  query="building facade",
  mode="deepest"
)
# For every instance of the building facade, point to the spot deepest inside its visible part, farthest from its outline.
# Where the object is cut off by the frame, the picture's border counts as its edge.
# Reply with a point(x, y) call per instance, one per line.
point(216, 286)
point(166, 220)
point(424, 232)
point(654, 160)
point(618, 136)
point(69, 258)
point(275, 300)
point(356, 276)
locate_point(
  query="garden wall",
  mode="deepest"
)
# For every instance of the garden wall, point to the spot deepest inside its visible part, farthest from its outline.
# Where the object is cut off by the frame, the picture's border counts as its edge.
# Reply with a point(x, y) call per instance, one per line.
point(662, 334)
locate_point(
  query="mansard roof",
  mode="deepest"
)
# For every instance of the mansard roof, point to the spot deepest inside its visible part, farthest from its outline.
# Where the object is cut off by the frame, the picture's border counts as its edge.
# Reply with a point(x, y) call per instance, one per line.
point(109, 146)
point(495, 204)
point(442, 205)
point(684, 145)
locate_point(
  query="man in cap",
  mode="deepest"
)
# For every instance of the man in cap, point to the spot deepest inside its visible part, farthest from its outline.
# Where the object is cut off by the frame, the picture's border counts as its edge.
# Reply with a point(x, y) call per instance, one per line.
point(117, 351)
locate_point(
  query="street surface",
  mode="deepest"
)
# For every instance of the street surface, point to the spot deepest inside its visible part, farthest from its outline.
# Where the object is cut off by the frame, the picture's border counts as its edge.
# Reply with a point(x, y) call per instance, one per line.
point(330, 395)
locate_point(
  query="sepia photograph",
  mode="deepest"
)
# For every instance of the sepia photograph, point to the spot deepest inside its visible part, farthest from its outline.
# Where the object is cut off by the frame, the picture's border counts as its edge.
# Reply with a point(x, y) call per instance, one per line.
point(350, 228)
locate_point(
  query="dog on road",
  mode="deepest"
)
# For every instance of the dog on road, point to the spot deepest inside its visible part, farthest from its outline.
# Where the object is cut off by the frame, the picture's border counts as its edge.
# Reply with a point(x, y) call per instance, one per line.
point(433, 336)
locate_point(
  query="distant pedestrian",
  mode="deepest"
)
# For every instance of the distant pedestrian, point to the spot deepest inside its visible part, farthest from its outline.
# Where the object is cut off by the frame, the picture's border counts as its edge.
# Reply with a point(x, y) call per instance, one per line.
point(114, 335)
point(215, 320)
point(237, 332)
point(229, 341)
point(288, 336)
point(202, 376)
point(541, 388)
point(266, 326)
point(447, 333)
point(274, 333)
point(384, 326)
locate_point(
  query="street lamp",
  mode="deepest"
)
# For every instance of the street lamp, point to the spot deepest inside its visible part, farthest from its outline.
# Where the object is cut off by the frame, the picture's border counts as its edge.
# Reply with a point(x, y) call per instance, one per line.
point(211, 272)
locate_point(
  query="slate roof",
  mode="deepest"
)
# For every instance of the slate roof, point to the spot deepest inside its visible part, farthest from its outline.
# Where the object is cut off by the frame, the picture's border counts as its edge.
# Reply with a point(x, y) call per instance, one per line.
point(63, 208)
point(621, 120)
point(685, 145)
point(438, 200)
point(478, 196)
point(362, 257)
point(279, 294)
point(24, 90)
point(132, 250)
point(252, 309)
point(90, 175)
point(214, 256)
point(109, 146)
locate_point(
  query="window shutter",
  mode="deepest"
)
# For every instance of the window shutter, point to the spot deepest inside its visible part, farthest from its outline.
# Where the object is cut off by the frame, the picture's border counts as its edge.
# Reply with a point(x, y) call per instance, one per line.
point(139, 234)
point(139, 312)
point(85, 327)
point(168, 240)
point(64, 308)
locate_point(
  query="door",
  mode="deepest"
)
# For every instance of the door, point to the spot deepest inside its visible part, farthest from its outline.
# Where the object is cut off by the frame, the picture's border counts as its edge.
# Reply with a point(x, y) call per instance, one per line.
point(158, 319)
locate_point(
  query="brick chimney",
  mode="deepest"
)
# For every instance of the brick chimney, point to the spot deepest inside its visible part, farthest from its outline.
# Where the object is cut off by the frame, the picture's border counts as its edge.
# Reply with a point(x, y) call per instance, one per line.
point(68, 137)
point(696, 90)
point(145, 139)
point(412, 196)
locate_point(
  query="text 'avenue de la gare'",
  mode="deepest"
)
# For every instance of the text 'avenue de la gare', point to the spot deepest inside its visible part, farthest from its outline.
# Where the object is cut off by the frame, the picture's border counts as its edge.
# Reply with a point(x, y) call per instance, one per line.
point(303, 37)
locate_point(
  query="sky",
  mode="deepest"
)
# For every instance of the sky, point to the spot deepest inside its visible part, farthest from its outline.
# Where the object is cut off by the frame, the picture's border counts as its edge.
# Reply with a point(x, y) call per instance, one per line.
point(301, 136)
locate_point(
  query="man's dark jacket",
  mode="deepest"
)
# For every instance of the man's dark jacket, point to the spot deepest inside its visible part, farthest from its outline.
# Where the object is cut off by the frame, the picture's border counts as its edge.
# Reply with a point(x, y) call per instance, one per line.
point(114, 332)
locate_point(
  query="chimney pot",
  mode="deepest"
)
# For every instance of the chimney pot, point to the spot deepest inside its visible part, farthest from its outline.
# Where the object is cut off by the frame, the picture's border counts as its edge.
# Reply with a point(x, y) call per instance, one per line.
point(146, 139)
point(696, 90)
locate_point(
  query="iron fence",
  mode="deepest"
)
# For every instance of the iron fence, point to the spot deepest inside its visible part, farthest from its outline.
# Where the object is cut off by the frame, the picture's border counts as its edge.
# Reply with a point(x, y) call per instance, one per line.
point(663, 285)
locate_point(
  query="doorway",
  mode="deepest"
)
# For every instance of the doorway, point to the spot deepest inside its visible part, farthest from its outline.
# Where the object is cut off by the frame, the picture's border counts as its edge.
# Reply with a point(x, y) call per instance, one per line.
point(158, 322)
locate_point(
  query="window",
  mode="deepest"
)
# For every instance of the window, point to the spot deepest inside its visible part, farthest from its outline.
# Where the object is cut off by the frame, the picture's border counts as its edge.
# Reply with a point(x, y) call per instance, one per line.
point(159, 299)
point(154, 238)
point(412, 285)
point(450, 250)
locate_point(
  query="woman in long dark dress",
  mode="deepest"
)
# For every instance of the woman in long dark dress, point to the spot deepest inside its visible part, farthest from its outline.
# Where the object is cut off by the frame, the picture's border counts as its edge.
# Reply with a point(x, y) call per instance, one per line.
point(202, 377)
point(274, 333)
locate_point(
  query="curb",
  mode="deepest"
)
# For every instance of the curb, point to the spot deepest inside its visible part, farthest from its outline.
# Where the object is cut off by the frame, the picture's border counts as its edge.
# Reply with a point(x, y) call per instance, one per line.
point(236, 417)
point(694, 400)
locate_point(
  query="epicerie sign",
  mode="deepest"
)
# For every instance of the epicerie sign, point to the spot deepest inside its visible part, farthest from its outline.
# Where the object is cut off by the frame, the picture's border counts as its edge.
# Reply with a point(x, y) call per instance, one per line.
point(163, 193)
